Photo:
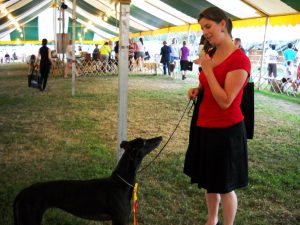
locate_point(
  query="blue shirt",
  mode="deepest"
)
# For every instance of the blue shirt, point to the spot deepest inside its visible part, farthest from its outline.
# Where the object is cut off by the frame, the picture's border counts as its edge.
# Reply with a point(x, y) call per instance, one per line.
point(289, 54)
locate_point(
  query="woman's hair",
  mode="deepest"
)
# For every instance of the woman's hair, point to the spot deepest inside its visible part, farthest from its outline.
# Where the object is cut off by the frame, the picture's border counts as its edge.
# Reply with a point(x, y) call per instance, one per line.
point(44, 41)
point(202, 39)
point(217, 15)
point(141, 40)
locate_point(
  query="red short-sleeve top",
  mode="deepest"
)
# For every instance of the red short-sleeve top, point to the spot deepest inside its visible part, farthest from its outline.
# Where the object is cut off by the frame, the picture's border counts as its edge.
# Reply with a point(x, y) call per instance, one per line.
point(210, 113)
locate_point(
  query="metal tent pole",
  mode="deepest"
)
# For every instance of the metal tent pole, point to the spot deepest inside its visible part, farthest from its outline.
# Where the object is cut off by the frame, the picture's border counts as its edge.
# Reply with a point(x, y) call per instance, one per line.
point(263, 53)
point(73, 46)
point(123, 74)
point(54, 27)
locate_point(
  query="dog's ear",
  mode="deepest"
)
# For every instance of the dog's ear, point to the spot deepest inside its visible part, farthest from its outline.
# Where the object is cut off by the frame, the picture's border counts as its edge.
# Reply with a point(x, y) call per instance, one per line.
point(123, 144)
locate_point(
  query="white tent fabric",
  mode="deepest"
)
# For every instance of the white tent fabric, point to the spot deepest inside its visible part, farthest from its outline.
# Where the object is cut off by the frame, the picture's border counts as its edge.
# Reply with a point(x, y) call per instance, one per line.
point(164, 12)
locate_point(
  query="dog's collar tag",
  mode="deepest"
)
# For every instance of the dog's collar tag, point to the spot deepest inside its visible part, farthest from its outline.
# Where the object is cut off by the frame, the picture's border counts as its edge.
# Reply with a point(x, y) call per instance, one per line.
point(135, 204)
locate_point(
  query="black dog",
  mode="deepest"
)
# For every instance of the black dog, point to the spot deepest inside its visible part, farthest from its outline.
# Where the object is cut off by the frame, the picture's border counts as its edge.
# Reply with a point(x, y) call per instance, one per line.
point(99, 199)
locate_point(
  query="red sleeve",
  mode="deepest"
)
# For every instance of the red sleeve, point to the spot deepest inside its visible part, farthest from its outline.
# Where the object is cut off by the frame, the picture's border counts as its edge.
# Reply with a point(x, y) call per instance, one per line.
point(240, 61)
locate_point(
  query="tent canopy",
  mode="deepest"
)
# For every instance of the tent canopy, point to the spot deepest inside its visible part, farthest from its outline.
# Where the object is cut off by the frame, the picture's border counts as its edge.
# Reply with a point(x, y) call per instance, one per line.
point(20, 17)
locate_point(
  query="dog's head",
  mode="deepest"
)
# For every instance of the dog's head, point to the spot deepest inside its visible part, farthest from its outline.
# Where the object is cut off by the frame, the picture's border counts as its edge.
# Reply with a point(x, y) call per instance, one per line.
point(139, 147)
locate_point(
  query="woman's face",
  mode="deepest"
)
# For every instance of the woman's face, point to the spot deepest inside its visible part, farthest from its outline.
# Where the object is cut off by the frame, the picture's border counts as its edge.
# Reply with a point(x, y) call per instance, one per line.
point(213, 31)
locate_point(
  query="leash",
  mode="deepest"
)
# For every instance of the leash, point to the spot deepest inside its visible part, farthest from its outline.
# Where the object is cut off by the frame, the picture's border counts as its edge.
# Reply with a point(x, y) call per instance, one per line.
point(135, 203)
point(124, 180)
point(135, 187)
point(141, 170)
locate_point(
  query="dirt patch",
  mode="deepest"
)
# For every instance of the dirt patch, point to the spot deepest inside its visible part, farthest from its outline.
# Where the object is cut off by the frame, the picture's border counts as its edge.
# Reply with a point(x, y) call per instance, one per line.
point(280, 105)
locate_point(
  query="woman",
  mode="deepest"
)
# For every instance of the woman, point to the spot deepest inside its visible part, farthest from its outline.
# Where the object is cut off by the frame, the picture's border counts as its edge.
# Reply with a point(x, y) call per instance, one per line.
point(217, 157)
point(165, 57)
point(140, 54)
point(69, 56)
point(131, 52)
point(45, 64)
point(184, 59)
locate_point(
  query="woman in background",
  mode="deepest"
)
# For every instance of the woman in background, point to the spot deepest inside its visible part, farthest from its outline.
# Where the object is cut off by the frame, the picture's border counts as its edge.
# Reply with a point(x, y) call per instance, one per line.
point(44, 56)
point(184, 59)
point(140, 54)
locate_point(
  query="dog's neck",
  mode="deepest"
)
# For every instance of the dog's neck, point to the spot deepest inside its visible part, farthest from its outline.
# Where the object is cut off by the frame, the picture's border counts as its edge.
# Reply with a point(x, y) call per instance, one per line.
point(126, 170)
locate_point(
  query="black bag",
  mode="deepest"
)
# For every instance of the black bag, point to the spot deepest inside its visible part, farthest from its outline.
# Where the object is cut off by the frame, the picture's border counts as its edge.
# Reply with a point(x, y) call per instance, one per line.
point(33, 80)
point(247, 107)
point(190, 66)
point(187, 169)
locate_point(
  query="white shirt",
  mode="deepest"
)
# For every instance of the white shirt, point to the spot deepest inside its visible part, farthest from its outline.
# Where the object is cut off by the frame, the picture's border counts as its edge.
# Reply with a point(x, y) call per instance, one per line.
point(174, 50)
point(69, 51)
point(140, 47)
point(272, 56)
point(289, 72)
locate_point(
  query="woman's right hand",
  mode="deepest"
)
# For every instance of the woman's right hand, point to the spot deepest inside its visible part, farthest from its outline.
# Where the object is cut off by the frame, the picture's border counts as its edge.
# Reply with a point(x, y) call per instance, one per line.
point(193, 93)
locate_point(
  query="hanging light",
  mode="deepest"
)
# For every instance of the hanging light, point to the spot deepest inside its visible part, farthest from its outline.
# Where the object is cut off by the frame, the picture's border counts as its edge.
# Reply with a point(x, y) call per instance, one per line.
point(10, 17)
point(54, 4)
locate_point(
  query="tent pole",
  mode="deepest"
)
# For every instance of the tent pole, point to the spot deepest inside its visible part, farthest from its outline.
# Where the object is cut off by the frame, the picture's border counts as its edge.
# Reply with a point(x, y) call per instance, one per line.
point(62, 39)
point(123, 74)
point(54, 28)
point(73, 46)
point(263, 53)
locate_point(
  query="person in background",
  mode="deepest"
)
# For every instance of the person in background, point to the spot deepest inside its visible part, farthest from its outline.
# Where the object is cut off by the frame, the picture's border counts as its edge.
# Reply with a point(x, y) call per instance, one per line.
point(272, 57)
point(69, 55)
point(32, 64)
point(140, 54)
point(116, 49)
point(14, 56)
point(7, 57)
point(238, 43)
point(297, 81)
point(165, 57)
point(44, 56)
point(79, 51)
point(184, 59)
point(131, 53)
point(287, 80)
point(216, 159)
point(289, 54)
point(174, 50)
point(96, 53)
point(204, 46)
point(104, 52)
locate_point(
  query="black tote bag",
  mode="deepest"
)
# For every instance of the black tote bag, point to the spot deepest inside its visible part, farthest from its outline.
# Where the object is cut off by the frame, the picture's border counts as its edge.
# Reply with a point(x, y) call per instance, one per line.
point(247, 107)
point(193, 125)
point(190, 66)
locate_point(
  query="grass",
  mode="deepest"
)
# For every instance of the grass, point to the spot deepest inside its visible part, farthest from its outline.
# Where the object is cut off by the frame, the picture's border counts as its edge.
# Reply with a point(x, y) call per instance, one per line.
point(52, 135)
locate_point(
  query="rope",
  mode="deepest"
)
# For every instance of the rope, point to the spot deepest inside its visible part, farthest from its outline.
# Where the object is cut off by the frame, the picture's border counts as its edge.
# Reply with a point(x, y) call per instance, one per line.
point(167, 140)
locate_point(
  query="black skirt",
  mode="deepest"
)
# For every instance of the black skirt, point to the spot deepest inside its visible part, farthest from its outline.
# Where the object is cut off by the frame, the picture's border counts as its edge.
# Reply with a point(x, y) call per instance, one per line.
point(217, 158)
